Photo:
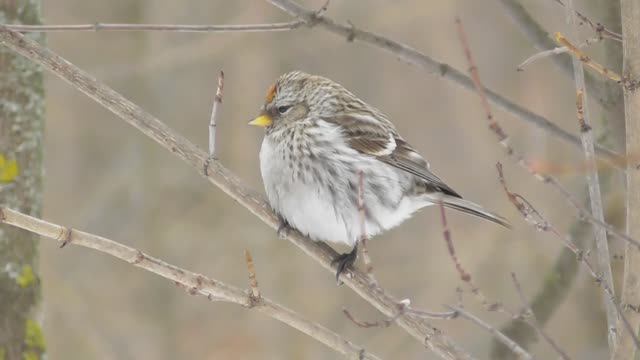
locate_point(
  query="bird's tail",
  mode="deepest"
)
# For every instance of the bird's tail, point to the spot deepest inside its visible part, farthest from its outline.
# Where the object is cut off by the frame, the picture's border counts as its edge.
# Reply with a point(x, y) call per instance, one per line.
point(469, 207)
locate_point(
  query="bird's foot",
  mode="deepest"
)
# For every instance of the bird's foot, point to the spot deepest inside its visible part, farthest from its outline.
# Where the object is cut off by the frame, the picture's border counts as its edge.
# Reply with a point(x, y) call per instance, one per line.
point(283, 228)
point(344, 261)
point(207, 164)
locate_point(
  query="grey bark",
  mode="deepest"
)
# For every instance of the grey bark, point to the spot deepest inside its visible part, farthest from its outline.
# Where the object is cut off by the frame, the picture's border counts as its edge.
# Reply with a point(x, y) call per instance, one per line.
point(21, 133)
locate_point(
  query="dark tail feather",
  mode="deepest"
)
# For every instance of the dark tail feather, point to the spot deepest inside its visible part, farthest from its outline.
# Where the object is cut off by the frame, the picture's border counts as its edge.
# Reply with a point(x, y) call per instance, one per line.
point(469, 207)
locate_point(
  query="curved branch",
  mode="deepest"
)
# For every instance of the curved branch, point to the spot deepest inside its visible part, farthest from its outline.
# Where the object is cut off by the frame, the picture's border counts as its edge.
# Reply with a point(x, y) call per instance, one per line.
point(540, 38)
point(228, 182)
point(413, 57)
point(195, 283)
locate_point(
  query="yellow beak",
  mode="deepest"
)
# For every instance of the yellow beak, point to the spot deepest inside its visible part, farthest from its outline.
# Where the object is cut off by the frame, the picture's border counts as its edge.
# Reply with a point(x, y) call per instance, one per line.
point(262, 121)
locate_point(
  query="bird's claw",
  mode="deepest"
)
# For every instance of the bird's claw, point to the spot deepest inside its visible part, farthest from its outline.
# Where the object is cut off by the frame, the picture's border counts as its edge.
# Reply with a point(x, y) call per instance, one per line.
point(283, 229)
point(207, 164)
point(344, 261)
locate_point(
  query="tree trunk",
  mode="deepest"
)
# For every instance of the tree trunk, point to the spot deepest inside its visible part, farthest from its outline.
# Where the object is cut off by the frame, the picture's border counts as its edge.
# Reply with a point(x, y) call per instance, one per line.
point(21, 132)
point(630, 10)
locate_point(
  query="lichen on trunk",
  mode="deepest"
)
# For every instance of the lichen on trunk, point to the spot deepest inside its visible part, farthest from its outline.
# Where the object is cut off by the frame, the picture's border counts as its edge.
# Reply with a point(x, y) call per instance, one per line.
point(21, 135)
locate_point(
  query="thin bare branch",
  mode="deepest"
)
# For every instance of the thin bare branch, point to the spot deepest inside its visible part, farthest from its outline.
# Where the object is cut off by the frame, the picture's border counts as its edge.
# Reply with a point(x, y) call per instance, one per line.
point(254, 294)
point(541, 40)
point(599, 28)
point(446, 233)
point(586, 60)
point(512, 345)
point(194, 283)
point(491, 306)
point(413, 57)
point(365, 324)
point(404, 307)
point(628, 346)
point(432, 315)
point(542, 224)
point(213, 120)
point(532, 167)
point(217, 102)
point(534, 322)
point(384, 323)
point(284, 26)
point(363, 232)
point(552, 52)
point(593, 181)
point(631, 332)
point(228, 183)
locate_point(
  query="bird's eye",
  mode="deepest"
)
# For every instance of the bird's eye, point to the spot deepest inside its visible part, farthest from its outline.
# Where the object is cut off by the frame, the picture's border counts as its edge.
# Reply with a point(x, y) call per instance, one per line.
point(283, 109)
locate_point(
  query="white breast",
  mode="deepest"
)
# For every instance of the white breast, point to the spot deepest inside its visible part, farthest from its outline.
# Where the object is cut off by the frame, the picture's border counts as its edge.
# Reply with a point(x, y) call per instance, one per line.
point(325, 207)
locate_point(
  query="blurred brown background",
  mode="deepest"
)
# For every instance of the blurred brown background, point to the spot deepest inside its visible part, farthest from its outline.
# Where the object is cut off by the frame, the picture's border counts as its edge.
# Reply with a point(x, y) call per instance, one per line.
point(104, 177)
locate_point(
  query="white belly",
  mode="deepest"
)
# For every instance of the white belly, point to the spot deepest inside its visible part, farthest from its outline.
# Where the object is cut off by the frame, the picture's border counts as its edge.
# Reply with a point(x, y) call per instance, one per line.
point(325, 207)
point(310, 210)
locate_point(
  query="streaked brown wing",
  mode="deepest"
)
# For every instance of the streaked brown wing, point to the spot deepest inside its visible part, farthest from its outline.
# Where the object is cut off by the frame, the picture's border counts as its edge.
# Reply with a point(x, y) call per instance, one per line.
point(404, 157)
point(372, 137)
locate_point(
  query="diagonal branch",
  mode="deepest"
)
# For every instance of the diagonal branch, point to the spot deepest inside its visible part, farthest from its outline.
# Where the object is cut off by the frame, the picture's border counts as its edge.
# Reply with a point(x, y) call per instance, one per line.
point(512, 345)
point(413, 57)
point(534, 321)
point(597, 27)
point(542, 40)
point(527, 164)
point(627, 345)
point(593, 181)
point(195, 283)
point(535, 218)
point(228, 182)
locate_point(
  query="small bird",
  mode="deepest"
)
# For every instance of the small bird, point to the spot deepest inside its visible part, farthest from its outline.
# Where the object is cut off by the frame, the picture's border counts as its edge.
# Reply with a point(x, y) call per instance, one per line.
point(320, 141)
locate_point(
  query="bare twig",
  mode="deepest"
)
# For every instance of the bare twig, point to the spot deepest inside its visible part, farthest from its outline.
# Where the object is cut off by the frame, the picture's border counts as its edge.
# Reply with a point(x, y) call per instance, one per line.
point(366, 324)
point(541, 40)
point(311, 18)
point(446, 233)
point(383, 323)
point(600, 29)
point(194, 283)
point(227, 182)
point(530, 166)
point(628, 346)
point(430, 314)
point(552, 52)
point(585, 59)
point(593, 181)
point(631, 332)
point(542, 224)
point(217, 103)
point(404, 307)
point(584, 214)
point(534, 322)
point(285, 26)
point(525, 209)
point(363, 232)
point(254, 294)
point(411, 56)
point(512, 345)
point(464, 275)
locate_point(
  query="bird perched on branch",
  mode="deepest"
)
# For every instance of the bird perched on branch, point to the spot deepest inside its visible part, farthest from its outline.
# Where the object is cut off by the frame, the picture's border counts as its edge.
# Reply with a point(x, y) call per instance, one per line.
point(320, 141)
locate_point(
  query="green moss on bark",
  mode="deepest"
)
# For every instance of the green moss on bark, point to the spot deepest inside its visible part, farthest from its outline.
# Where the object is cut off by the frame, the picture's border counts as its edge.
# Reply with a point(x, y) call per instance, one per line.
point(21, 133)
